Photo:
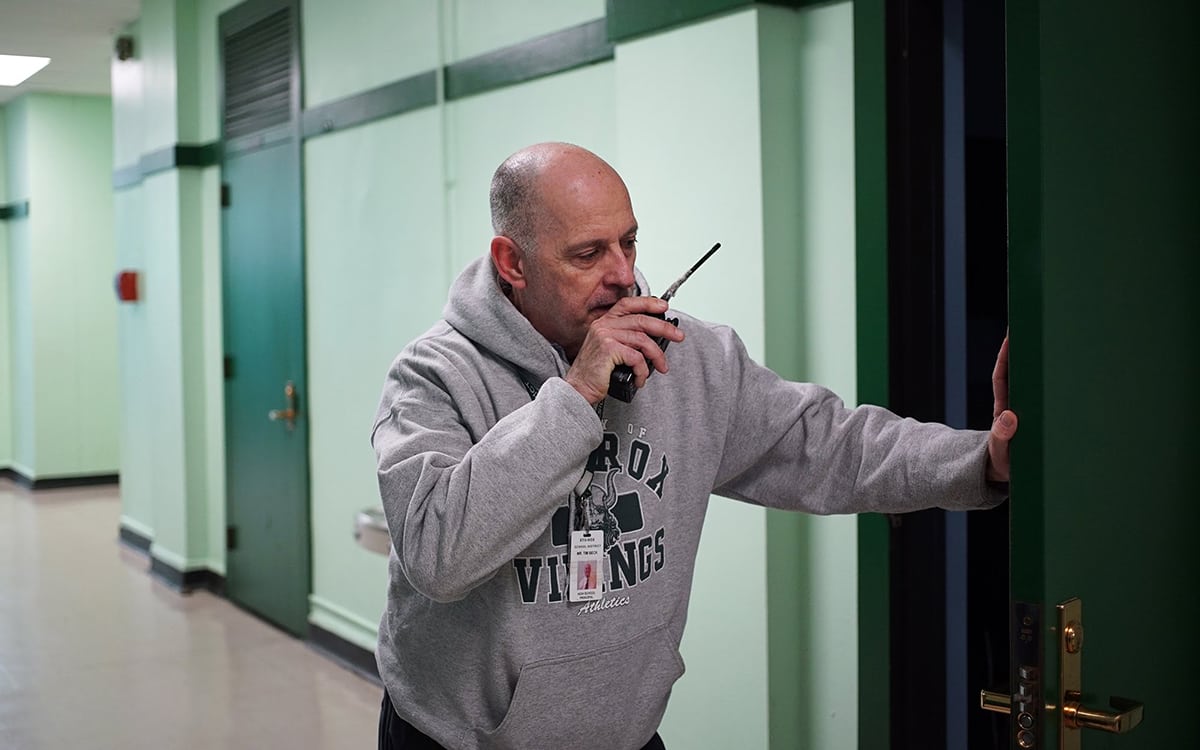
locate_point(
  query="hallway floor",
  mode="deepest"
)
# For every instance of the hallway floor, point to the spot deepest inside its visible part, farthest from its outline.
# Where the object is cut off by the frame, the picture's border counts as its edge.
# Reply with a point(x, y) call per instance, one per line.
point(95, 653)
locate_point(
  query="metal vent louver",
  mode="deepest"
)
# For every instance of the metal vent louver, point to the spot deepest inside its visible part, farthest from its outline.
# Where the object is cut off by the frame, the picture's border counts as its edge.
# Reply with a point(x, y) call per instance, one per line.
point(258, 75)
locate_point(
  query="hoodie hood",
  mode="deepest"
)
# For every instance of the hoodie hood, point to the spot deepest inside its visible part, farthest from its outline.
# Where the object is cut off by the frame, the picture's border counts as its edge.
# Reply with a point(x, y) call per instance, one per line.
point(478, 309)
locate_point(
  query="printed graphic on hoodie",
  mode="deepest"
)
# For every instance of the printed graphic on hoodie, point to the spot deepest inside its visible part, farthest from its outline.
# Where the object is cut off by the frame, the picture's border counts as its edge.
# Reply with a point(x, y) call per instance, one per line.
point(618, 476)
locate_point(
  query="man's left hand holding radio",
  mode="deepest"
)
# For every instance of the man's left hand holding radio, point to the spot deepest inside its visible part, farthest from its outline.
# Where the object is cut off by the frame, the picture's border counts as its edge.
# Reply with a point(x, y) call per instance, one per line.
point(623, 335)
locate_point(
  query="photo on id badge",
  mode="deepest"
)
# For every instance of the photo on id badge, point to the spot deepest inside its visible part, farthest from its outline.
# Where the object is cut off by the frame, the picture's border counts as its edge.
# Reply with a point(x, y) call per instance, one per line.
point(587, 565)
point(587, 576)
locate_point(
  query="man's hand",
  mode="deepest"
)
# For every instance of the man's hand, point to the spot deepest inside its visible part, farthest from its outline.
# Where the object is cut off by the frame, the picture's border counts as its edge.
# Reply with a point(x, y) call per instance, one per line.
point(624, 335)
point(1004, 422)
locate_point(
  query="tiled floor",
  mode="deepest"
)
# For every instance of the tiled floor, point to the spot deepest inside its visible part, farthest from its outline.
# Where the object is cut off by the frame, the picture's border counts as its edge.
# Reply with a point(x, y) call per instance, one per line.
point(95, 653)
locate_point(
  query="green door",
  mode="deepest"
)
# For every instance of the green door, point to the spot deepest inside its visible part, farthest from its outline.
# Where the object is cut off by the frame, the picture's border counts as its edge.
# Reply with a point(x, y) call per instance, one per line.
point(1104, 150)
point(266, 428)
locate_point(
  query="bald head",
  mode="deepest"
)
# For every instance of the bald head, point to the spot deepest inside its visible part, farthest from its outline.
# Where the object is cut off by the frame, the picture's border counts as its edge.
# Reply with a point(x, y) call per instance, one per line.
point(566, 239)
point(521, 210)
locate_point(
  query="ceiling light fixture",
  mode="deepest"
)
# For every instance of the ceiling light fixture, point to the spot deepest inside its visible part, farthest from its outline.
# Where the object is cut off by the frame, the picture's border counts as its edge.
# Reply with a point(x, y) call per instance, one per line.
point(14, 69)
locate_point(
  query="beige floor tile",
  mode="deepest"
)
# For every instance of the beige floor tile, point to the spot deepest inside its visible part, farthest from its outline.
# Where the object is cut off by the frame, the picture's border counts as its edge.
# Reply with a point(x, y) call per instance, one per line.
point(96, 653)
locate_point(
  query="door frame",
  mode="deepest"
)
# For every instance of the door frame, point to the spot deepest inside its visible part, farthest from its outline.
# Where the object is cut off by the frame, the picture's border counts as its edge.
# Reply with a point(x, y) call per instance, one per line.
point(919, 289)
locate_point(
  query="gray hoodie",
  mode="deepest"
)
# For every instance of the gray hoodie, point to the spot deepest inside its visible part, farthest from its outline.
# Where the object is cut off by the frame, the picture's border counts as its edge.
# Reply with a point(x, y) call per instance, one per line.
point(479, 646)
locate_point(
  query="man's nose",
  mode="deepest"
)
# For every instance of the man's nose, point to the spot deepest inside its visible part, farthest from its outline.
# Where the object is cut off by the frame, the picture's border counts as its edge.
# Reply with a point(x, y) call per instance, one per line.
point(620, 268)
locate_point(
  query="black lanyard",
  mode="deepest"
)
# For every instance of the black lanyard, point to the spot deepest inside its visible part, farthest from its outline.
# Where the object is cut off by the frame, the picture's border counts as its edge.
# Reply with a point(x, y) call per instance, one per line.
point(581, 517)
point(533, 392)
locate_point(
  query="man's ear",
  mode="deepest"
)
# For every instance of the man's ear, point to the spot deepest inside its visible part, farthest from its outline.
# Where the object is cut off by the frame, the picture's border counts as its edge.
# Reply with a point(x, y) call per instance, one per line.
point(509, 261)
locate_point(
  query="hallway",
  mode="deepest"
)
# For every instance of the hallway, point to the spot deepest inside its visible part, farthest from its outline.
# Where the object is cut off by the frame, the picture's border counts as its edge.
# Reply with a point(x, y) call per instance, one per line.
point(96, 653)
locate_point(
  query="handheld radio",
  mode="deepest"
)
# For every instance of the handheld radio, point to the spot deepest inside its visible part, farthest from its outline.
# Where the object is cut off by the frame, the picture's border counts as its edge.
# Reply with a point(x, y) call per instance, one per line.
point(620, 383)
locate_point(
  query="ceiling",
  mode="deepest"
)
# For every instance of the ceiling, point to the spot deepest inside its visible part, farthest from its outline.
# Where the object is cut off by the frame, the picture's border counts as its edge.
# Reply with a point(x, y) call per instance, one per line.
point(77, 36)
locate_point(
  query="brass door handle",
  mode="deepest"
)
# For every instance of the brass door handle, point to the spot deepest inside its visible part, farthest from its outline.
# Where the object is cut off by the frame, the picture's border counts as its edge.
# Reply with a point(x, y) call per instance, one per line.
point(1126, 715)
point(289, 414)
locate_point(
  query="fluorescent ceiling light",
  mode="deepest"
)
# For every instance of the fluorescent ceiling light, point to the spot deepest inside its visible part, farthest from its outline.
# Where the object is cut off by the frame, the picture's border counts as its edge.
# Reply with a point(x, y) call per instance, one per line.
point(16, 68)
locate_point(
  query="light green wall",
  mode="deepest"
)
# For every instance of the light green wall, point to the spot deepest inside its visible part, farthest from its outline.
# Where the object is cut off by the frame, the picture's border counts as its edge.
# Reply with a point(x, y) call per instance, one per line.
point(210, 387)
point(168, 230)
point(375, 281)
point(128, 106)
point(137, 403)
point(6, 431)
point(19, 285)
point(59, 279)
point(135, 377)
point(75, 319)
point(778, 192)
point(3, 157)
point(692, 161)
point(382, 249)
point(355, 45)
point(483, 130)
point(21, 321)
point(162, 381)
point(156, 46)
point(808, 156)
point(210, 380)
point(752, 148)
point(473, 27)
point(17, 158)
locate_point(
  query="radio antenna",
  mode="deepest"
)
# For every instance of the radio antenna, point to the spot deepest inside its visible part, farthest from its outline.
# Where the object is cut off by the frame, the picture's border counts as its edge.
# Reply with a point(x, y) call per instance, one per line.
point(675, 287)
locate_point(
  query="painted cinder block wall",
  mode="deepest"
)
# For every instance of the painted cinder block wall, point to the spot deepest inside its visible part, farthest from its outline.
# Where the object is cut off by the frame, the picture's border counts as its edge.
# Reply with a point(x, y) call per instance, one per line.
point(58, 370)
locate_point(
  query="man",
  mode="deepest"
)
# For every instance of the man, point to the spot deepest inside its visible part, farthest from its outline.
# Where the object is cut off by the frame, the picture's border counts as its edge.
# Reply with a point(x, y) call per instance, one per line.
point(500, 453)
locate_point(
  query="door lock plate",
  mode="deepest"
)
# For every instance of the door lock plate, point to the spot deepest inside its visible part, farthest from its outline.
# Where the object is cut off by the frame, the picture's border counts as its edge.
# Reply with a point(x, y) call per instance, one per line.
point(1028, 706)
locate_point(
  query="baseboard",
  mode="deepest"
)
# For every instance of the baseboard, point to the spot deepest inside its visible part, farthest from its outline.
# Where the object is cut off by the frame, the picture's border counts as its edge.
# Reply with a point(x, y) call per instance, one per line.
point(187, 581)
point(350, 655)
point(51, 483)
point(134, 539)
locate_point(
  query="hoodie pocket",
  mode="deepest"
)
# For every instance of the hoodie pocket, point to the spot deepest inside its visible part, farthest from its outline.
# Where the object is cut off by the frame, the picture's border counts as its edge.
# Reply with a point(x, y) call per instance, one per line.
point(611, 698)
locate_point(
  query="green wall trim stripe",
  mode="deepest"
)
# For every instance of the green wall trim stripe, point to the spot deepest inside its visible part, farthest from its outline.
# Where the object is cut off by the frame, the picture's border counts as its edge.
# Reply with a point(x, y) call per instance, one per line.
point(18, 210)
point(244, 144)
point(171, 157)
point(391, 99)
point(180, 155)
point(553, 53)
point(627, 19)
point(571, 48)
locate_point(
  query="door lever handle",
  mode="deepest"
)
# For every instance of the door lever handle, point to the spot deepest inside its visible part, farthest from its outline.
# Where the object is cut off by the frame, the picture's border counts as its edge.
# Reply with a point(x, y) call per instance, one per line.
point(1126, 714)
point(289, 414)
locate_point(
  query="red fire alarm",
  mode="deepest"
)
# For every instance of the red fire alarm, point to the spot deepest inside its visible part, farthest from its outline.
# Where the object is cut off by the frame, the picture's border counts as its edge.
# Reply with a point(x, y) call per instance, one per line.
point(126, 284)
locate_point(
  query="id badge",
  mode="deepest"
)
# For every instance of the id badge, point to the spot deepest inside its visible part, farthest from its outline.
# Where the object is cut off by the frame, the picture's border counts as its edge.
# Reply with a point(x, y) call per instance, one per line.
point(587, 565)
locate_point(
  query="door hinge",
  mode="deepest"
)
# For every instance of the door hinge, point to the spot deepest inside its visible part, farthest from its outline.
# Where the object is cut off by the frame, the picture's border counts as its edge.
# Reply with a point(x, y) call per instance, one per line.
point(224, 195)
point(230, 538)
point(228, 367)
